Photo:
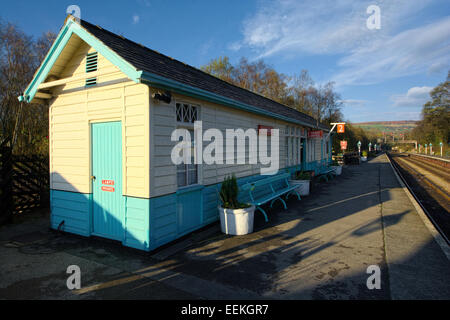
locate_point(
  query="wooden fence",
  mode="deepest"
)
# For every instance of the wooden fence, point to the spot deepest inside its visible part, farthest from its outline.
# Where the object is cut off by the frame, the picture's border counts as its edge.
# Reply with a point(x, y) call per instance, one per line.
point(24, 183)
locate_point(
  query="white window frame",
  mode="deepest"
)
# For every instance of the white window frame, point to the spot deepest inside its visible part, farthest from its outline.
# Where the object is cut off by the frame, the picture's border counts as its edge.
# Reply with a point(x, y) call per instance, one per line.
point(189, 125)
point(293, 135)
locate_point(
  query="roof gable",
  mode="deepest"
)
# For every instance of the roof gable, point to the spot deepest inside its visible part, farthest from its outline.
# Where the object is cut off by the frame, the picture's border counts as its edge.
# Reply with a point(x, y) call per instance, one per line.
point(70, 28)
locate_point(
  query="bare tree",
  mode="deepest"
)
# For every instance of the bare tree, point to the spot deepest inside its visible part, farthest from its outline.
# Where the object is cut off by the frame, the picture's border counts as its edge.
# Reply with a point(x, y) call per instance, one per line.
point(24, 125)
point(298, 92)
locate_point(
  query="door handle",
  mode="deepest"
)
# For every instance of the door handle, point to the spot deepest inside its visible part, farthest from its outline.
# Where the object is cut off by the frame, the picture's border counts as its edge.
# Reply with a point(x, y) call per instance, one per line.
point(93, 178)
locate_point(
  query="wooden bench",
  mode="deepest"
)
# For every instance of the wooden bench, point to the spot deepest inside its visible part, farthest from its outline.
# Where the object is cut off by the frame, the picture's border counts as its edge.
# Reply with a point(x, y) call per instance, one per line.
point(325, 173)
point(268, 189)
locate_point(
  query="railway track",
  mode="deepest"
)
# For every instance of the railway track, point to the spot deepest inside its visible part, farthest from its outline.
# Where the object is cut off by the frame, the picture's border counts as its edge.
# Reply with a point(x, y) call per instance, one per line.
point(428, 182)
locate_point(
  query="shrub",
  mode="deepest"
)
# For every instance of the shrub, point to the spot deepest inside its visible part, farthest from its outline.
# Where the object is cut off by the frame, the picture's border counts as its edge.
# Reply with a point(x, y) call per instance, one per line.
point(301, 175)
point(335, 163)
point(229, 194)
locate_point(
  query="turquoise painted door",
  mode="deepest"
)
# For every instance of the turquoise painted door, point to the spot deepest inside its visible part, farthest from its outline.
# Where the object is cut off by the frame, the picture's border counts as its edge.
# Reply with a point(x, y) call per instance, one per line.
point(108, 202)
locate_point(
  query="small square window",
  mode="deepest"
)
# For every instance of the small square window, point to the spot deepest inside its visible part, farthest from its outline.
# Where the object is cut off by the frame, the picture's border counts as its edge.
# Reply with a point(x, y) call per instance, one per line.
point(186, 113)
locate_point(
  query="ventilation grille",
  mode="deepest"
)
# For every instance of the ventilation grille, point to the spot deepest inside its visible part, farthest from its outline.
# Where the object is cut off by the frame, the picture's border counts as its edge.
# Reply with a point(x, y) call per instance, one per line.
point(91, 66)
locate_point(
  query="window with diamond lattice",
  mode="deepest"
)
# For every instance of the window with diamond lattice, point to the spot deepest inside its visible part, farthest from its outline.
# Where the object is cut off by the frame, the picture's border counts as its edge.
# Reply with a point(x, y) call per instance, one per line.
point(187, 173)
point(186, 113)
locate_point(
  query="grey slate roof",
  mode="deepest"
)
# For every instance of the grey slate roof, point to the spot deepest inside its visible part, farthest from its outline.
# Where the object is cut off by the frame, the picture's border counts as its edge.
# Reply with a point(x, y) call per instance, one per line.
point(148, 60)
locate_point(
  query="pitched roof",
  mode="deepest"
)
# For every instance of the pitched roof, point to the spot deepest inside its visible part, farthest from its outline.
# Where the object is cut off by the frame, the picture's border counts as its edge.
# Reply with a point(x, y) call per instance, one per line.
point(148, 60)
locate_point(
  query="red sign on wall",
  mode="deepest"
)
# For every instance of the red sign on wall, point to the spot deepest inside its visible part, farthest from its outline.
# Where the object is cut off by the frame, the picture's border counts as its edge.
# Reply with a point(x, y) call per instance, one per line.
point(315, 134)
point(108, 189)
point(108, 182)
point(268, 128)
point(343, 145)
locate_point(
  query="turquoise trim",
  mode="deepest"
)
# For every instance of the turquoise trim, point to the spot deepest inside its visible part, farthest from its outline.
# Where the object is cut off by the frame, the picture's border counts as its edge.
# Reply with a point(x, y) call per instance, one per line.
point(164, 83)
point(52, 55)
point(106, 52)
point(72, 27)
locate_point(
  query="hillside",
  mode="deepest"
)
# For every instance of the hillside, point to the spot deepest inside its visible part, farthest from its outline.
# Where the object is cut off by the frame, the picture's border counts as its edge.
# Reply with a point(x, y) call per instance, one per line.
point(388, 127)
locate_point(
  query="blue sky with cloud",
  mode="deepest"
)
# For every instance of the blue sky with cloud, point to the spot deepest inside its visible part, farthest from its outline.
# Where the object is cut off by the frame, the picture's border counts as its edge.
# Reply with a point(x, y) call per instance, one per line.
point(382, 74)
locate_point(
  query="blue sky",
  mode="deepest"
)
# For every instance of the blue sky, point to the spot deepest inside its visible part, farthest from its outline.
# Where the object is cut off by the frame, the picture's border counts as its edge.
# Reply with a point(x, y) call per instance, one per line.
point(382, 74)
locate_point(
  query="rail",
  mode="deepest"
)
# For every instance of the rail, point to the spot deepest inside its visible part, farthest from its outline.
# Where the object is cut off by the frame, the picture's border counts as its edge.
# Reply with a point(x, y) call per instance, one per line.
point(416, 198)
point(429, 157)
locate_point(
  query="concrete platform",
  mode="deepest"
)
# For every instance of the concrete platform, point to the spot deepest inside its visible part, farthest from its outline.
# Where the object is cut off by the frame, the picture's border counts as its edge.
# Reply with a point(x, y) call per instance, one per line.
point(319, 248)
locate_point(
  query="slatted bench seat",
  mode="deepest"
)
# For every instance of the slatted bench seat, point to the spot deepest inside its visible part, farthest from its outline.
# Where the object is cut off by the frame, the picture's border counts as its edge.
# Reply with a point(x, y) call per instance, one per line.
point(268, 189)
point(326, 173)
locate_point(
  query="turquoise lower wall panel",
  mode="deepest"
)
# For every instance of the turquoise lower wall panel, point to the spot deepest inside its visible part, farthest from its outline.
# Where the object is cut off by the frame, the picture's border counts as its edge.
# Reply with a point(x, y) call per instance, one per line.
point(73, 208)
point(163, 220)
point(137, 217)
point(175, 215)
point(210, 204)
point(151, 223)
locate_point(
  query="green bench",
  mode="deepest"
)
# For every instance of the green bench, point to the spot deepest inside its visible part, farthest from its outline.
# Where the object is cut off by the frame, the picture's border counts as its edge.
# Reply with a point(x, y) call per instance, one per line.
point(325, 173)
point(268, 189)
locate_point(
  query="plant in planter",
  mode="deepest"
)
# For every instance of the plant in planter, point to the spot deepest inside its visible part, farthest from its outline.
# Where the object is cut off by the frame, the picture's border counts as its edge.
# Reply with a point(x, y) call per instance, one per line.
point(303, 180)
point(337, 167)
point(364, 156)
point(236, 218)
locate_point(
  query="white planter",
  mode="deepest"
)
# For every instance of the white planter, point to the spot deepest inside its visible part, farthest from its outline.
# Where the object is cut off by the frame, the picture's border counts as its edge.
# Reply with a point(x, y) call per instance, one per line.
point(363, 159)
point(237, 221)
point(337, 169)
point(303, 186)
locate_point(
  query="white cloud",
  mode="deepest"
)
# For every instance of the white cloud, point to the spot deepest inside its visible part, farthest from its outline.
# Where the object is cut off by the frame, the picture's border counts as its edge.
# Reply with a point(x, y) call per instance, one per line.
point(438, 67)
point(235, 46)
point(409, 52)
point(354, 102)
point(338, 28)
point(307, 27)
point(415, 97)
point(136, 19)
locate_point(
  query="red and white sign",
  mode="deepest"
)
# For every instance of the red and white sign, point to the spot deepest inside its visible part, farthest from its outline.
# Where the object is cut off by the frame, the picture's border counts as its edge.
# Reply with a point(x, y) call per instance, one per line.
point(108, 182)
point(108, 189)
point(343, 145)
point(315, 134)
point(268, 128)
point(340, 128)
